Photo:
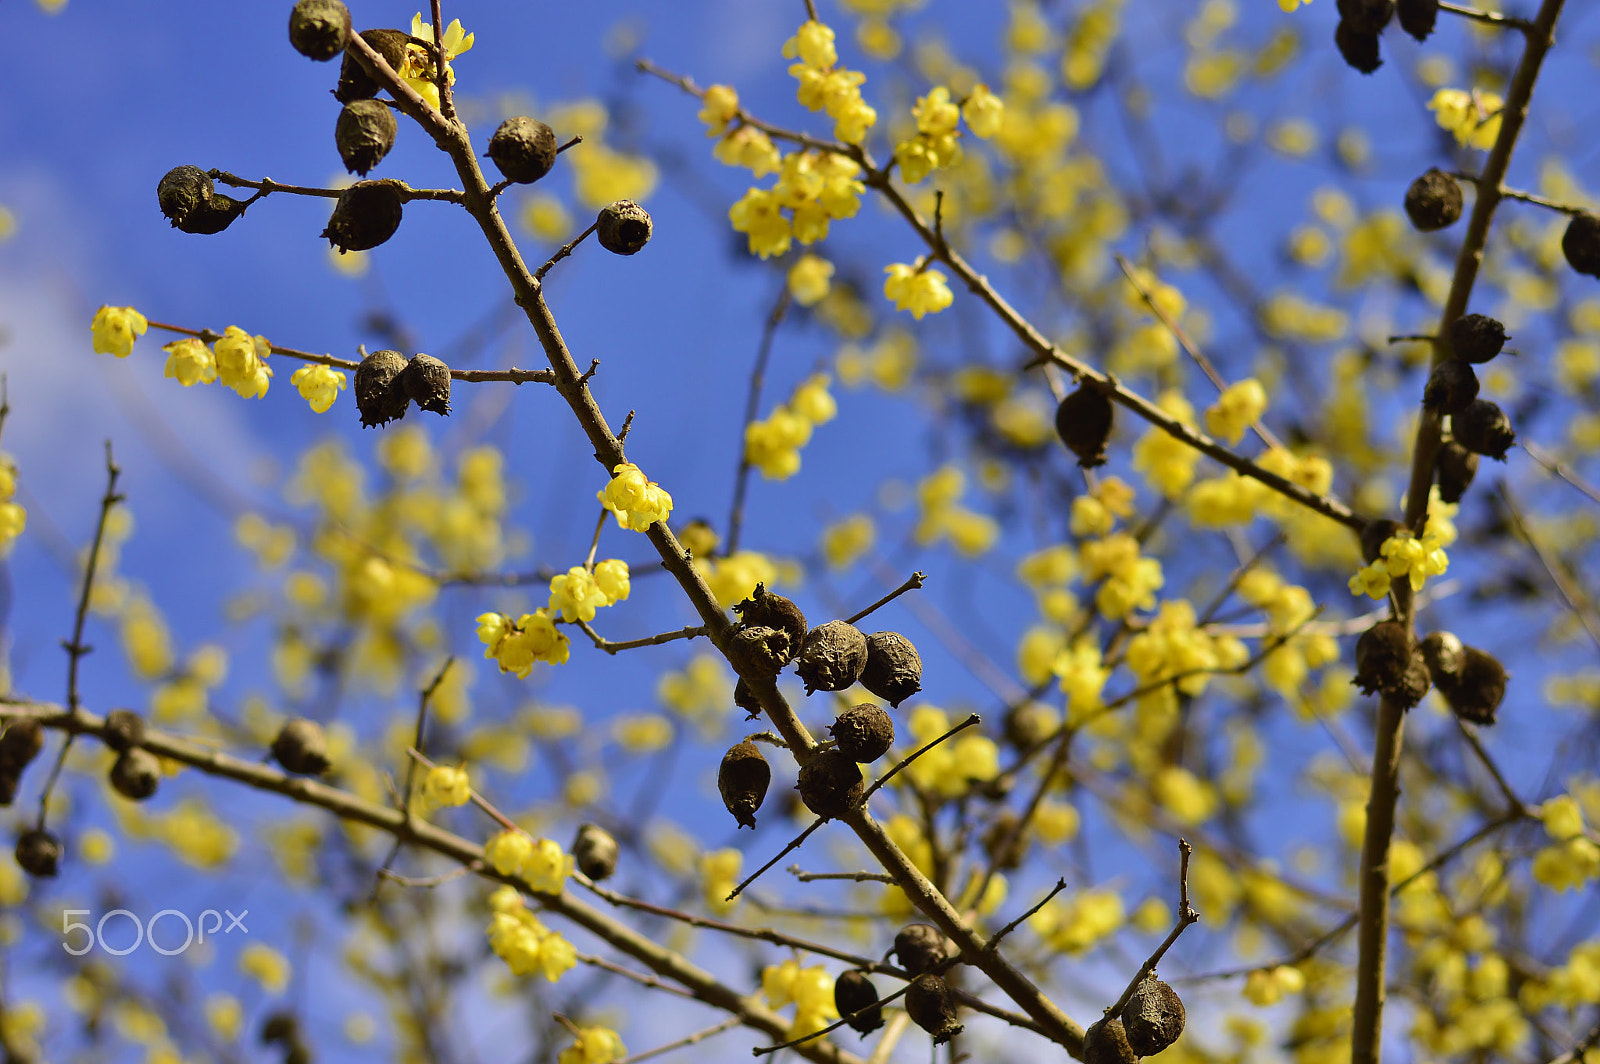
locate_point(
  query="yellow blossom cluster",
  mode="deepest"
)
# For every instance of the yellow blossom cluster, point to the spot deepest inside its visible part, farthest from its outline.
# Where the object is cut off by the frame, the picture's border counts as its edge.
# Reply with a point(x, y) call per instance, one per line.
point(937, 142)
point(814, 188)
point(1167, 462)
point(773, 444)
point(578, 592)
point(1076, 925)
point(941, 515)
point(809, 279)
point(827, 86)
point(1572, 860)
point(734, 577)
point(594, 1045)
point(1473, 118)
point(318, 385)
point(1083, 677)
point(1238, 407)
point(518, 937)
point(518, 644)
point(1095, 513)
point(846, 540)
point(810, 990)
point(917, 289)
point(443, 787)
point(951, 768)
point(13, 518)
point(417, 69)
point(1172, 646)
point(1402, 555)
point(1129, 581)
point(638, 501)
point(1267, 986)
point(114, 330)
point(241, 361)
point(538, 862)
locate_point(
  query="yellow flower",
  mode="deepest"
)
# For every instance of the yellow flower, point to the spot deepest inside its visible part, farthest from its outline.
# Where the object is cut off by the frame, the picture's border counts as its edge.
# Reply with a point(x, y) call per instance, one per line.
point(611, 576)
point(809, 278)
point(595, 1045)
point(1472, 117)
point(319, 385)
point(847, 540)
point(719, 106)
point(576, 594)
point(115, 329)
point(1238, 407)
point(266, 966)
point(445, 786)
point(747, 146)
point(983, 111)
point(190, 361)
point(507, 851)
point(935, 114)
point(241, 362)
point(813, 45)
point(637, 501)
point(417, 70)
point(923, 292)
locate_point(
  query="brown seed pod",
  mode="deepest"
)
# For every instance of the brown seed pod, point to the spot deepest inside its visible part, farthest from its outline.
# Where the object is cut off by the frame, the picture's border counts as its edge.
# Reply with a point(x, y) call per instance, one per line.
point(1153, 1018)
point(182, 191)
point(301, 747)
point(378, 397)
point(1451, 387)
point(1106, 1042)
point(832, 657)
point(426, 381)
point(1434, 200)
point(354, 84)
point(1457, 466)
point(319, 28)
point(1389, 662)
point(1083, 421)
point(1003, 843)
point(20, 744)
point(1444, 654)
point(366, 215)
point(1418, 16)
point(124, 729)
point(742, 779)
point(746, 700)
point(853, 992)
point(894, 668)
point(759, 650)
point(831, 784)
point(364, 134)
point(595, 852)
point(771, 610)
point(280, 1026)
point(933, 1008)
point(523, 149)
point(1368, 16)
point(624, 227)
point(1581, 244)
point(1483, 428)
point(136, 773)
point(1029, 724)
point(919, 947)
point(1374, 536)
point(1477, 338)
point(865, 732)
point(38, 852)
point(1475, 692)
point(1360, 50)
point(9, 782)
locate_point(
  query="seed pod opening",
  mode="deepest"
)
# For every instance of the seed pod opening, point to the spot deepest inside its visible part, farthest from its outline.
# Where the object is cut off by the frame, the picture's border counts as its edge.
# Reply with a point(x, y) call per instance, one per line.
point(931, 1007)
point(746, 700)
point(1083, 421)
point(831, 784)
point(20, 744)
point(38, 852)
point(1581, 244)
point(770, 610)
point(624, 227)
point(1389, 662)
point(523, 149)
point(742, 779)
point(354, 84)
point(183, 191)
point(136, 773)
point(1457, 466)
point(124, 729)
point(426, 381)
point(301, 747)
point(366, 214)
point(364, 134)
point(318, 28)
point(919, 947)
point(1451, 387)
point(1444, 654)
point(1477, 338)
point(1360, 50)
point(1367, 16)
point(894, 668)
point(595, 852)
point(759, 650)
point(1153, 1018)
point(1418, 16)
point(1434, 200)
point(832, 657)
point(1106, 1042)
point(854, 992)
point(865, 732)
point(1483, 428)
point(1475, 692)
point(378, 397)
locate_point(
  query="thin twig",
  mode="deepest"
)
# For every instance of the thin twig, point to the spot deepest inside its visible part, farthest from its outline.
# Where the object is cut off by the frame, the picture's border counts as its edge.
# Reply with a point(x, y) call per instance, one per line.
point(887, 776)
point(441, 77)
point(794, 844)
point(853, 877)
point(627, 973)
point(1574, 597)
point(692, 631)
point(404, 799)
point(1562, 470)
point(424, 881)
point(913, 582)
point(752, 406)
point(994, 940)
point(1186, 916)
point(266, 186)
point(566, 249)
point(761, 1051)
point(688, 1040)
point(1510, 22)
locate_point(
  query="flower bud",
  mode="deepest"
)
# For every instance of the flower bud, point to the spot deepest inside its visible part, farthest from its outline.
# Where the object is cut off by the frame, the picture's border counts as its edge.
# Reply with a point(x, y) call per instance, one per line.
point(426, 381)
point(931, 1007)
point(1457, 466)
point(831, 785)
point(1359, 49)
point(1434, 200)
point(38, 852)
point(124, 729)
point(742, 780)
point(832, 657)
point(1153, 1018)
point(1483, 428)
point(864, 733)
point(319, 28)
point(378, 397)
point(1451, 387)
point(894, 668)
point(366, 215)
point(853, 992)
point(523, 150)
point(1367, 16)
point(301, 747)
point(136, 773)
point(364, 134)
point(1388, 662)
point(354, 83)
point(624, 227)
point(1417, 17)
point(1106, 1042)
point(1477, 337)
point(1083, 421)
point(1476, 689)
point(1581, 244)
point(920, 947)
point(595, 852)
point(768, 610)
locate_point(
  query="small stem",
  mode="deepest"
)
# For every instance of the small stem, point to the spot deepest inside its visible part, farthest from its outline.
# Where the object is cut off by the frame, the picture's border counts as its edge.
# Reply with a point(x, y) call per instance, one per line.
point(994, 941)
point(688, 1040)
point(1510, 22)
point(913, 582)
point(566, 249)
point(266, 186)
point(752, 404)
point(1562, 470)
point(761, 1051)
point(691, 632)
point(441, 79)
point(594, 542)
point(574, 142)
point(887, 776)
point(404, 803)
point(794, 844)
point(1186, 916)
point(853, 877)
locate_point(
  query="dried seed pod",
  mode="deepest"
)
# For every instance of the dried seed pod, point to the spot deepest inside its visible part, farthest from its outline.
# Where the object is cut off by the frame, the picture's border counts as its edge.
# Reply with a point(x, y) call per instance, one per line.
point(771, 610)
point(831, 784)
point(894, 668)
point(865, 732)
point(1106, 1042)
point(364, 134)
point(1477, 337)
point(595, 852)
point(919, 947)
point(1083, 421)
point(624, 227)
point(301, 747)
point(366, 214)
point(9, 782)
point(1153, 1018)
point(38, 852)
point(832, 657)
point(760, 650)
point(1457, 466)
point(182, 191)
point(742, 779)
point(1418, 16)
point(319, 28)
point(1444, 654)
point(426, 381)
point(523, 149)
point(1360, 50)
point(1368, 16)
point(280, 1026)
point(853, 992)
point(1004, 844)
point(1475, 692)
point(1389, 662)
point(20, 744)
point(378, 397)
point(124, 729)
point(1483, 428)
point(746, 700)
point(136, 773)
point(1028, 725)
point(933, 1008)
point(1374, 536)
point(354, 83)
point(1434, 200)
point(215, 215)
point(1451, 387)
point(1581, 244)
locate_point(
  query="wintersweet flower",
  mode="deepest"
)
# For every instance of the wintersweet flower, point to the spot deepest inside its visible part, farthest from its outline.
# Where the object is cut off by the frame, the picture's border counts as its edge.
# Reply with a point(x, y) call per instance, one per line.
point(983, 111)
point(576, 595)
point(190, 361)
point(445, 786)
point(611, 576)
point(720, 105)
point(1238, 407)
point(507, 852)
point(319, 385)
point(936, 115)
point(1472, 117)
point(813, 45)
point(241, 362)
point(920, 292)
point(747, 146)
point(595, 1045)
point(547, 867)
point(1402, 555)
point(809, 279)
point(517, 645)
point(637, 501)
point(417, 70)
point(115, 329)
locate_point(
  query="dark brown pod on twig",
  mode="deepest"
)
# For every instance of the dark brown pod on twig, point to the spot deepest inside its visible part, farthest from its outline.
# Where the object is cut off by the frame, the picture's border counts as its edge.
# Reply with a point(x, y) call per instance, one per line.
point(1476, 690)
point(1434, 200)
point(1444, 654)
point(426, 382)
point(319, 28)
point(280, 1026)
point(364, 134)
point(853, 992)
point(20, 744)
point(831, 784)
point(366, 215)
point(1581, 244)
point(1387, 661)
point(136, 774)
point(1003, 840)
point(1457, 466)
point(864, 732)
point(742, 779)
point(379, 397)
point(1483, 428)
point(1105, 1042)
point(919, 947)
point(759, 650)
point(1477, 338)
point(832, 657)
point(354, 83)
point(38, 852)
point(1451, 387)
point(1368, 16)
point(623, 227)
point(1153, 1018)
point(523, 149)
point(1028, 725)
point(746, 700)
point(182, 191)
point(301, 747)
point(595, 852)
point(1083, 421)
point(123, 729)
point(1418, 16)
point(933, 1008)
point(894, 668)
point(771, 610)
point(1360, 50)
